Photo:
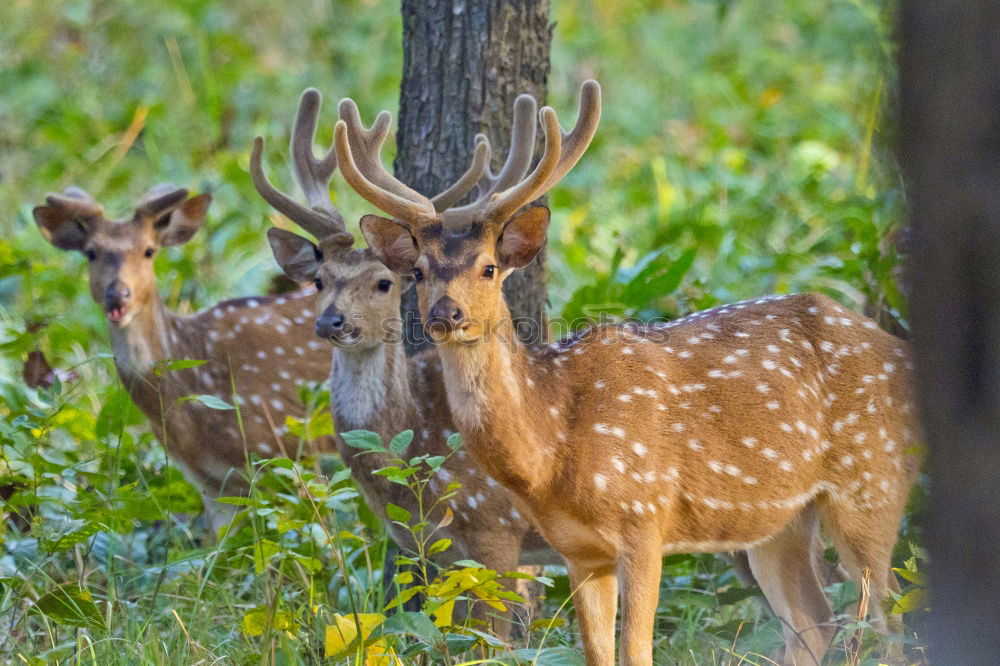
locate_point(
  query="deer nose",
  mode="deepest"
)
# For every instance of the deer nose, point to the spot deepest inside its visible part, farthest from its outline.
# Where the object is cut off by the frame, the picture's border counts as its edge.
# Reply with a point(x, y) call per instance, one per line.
point(117, 293)
point(445, 316)
point(330, 324)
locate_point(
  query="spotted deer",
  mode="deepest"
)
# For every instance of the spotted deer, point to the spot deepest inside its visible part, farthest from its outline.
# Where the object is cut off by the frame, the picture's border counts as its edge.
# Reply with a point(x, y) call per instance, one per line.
point(374, 385)
point(257, 349)
point(737, 428)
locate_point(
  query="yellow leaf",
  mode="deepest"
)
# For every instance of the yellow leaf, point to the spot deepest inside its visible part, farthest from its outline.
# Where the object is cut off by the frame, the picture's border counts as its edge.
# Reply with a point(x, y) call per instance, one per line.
point(449, 516)
point(255, 621)
point(443, 614)
point(340, 635)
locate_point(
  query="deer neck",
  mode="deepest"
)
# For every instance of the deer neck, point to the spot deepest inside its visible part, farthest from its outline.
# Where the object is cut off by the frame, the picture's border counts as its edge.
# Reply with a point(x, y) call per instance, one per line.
point(370, 389)
point(492, 399)
point(151, 336)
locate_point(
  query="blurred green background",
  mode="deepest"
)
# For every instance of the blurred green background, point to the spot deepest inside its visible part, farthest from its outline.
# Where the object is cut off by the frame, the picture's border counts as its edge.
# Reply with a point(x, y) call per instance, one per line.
point(743, 150)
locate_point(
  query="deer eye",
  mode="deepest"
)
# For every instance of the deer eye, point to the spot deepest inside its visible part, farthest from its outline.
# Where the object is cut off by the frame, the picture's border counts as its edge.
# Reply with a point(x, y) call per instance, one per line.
point(149, 253)
point(489, 272)
point(384, 285)
point(418, 274)
point(319, 284)
point(90, 254)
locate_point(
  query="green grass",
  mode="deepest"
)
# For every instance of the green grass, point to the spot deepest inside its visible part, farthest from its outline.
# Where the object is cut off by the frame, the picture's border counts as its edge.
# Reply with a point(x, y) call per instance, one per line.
point(742, 147)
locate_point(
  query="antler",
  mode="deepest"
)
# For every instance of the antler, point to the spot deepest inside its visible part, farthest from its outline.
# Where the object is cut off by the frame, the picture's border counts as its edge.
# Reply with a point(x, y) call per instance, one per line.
point(522, 148)
point(159, 199)
point(367, 175)
point(359, 151)
point(480, 165)
point(500, 195)
point(320, 218)
point(562, 151)
point(75, 201)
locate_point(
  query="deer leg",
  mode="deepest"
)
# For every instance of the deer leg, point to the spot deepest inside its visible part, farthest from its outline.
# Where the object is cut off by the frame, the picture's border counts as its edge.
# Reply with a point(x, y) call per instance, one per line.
point(501, 555)
point(595, 600)
point(864, 540)
point(784, 566)
point(640, 569)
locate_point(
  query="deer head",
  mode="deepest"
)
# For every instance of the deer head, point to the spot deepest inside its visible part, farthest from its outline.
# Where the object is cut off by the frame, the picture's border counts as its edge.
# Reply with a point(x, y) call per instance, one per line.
point(460, 256)
point(358, 297)
point(120, 254)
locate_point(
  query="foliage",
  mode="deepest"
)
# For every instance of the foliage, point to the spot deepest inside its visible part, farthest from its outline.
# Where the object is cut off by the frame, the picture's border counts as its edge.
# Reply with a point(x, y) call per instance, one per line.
point(741, 152)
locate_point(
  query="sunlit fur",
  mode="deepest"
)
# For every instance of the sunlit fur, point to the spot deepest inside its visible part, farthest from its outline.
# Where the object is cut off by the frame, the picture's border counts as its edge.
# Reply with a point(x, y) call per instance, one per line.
point(732, 429)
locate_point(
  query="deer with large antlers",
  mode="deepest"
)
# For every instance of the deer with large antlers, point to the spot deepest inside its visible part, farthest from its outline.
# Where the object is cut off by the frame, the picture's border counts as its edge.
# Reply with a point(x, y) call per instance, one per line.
point(374, 386)
point(257, 351)
point(738, 428)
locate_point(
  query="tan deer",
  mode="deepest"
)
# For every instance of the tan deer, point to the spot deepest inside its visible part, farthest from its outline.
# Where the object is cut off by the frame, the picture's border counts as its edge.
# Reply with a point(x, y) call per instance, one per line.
point(258, 350)
point(737, 428)
point(374, 385)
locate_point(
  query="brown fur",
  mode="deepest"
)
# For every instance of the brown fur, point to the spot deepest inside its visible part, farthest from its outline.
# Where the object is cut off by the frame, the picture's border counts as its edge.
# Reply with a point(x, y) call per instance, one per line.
point(377, 388)
point(726, 430)
point(259, 352)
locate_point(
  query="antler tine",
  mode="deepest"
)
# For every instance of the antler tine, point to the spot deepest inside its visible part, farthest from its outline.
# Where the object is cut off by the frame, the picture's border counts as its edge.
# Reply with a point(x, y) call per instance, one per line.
point(503, 205)
point(76, 201)
point(161, 198)
point(522, 148)
point(503, 194)
point(405, 210)
point(321, 218)
point(575, 143)
point(477, 172)
point(312, 175)
point(366, 149)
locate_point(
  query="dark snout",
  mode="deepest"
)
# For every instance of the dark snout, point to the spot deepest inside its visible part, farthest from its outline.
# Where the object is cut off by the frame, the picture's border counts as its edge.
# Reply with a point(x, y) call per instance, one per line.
point(116, 301)
point(445, 316)
point(331, 324)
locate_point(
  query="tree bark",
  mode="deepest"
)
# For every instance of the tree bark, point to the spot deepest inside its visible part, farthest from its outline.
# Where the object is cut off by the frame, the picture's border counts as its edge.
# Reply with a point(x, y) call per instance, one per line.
point(464, 64)
point(950, 152)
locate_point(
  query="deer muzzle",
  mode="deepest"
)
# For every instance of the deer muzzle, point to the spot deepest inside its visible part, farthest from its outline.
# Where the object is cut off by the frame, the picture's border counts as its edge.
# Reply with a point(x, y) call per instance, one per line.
point(331, 325)
point(445, 317)
point(116, 301)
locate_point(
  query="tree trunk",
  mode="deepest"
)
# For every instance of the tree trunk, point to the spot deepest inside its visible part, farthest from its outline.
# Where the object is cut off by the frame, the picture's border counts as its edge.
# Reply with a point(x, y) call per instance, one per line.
point(464, 64)
point(950, 151)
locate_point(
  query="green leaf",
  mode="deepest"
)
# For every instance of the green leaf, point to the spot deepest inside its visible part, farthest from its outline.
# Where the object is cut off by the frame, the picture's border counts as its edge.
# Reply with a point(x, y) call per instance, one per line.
point(210, 401)
point(913, 600)
point(263, 552)
point(659, 278)
point(546, 623)
point(455, 441)
point(397, 513)
point(736, 595)
point(399, 443)
point(363, 439)
point(239, 501)
point(413, 624)
point(552, 656)
point(439, 546)
point(434, 462)
point(117, 412)
point(166, 365)
point(70, 606)
point(916, 577)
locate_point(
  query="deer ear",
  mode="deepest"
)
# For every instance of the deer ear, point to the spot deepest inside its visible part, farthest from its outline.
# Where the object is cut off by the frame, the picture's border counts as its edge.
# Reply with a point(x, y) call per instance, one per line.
point(297, 256)
point(391, 242)
point(179, 225)
point(522, 237)
point(61, 228)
